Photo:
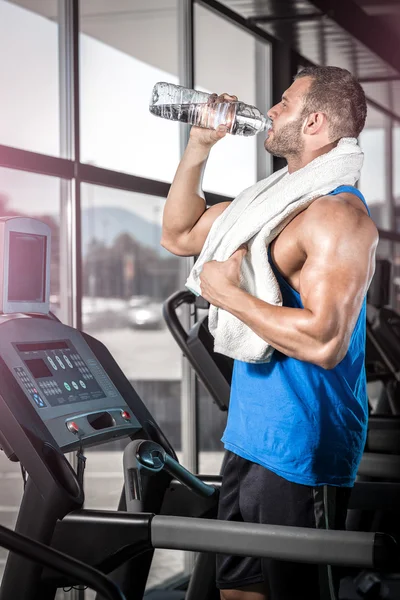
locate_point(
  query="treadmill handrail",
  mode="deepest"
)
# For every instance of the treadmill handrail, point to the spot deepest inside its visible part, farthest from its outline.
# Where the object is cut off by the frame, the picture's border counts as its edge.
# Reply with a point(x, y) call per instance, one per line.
point(48, 557)
point(204, 364)
point(378, 346)
point(380, 466)
point(298, 544)
point(169, 313)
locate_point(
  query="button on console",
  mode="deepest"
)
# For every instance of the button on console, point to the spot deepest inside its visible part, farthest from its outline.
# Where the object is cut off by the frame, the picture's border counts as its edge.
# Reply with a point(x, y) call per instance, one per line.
point(72, 427)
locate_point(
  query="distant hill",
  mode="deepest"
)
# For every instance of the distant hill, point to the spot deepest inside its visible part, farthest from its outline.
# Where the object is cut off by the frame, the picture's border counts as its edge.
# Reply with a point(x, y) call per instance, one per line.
point(106, 223)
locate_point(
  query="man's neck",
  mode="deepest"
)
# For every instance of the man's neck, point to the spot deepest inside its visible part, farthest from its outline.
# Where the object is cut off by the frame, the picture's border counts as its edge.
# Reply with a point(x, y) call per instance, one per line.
point(298, 162)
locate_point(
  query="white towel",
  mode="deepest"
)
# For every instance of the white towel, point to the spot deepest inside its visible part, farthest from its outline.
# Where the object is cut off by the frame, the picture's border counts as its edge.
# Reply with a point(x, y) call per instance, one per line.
point(255, 217)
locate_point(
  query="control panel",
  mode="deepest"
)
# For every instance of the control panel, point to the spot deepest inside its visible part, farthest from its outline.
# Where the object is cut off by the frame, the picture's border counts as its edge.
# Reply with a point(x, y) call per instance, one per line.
point(60, 374)
point(64, 381)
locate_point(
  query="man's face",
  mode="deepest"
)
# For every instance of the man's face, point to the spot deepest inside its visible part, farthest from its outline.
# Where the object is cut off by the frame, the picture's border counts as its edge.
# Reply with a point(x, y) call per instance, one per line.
point(285, 138)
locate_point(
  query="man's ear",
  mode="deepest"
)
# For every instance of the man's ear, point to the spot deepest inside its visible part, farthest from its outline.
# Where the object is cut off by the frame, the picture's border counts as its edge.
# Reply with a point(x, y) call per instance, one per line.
point(314, 123)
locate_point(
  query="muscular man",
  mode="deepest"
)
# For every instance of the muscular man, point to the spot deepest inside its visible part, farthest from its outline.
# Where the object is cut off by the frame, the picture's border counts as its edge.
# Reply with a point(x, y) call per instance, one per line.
point(297, 425)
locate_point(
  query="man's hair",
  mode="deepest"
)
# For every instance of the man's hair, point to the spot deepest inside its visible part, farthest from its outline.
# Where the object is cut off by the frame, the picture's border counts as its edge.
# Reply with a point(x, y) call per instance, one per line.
point(338, 94)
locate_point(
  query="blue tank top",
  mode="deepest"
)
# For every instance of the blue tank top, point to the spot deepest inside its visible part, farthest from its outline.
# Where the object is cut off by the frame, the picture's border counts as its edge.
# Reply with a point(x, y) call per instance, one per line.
point(305, 423)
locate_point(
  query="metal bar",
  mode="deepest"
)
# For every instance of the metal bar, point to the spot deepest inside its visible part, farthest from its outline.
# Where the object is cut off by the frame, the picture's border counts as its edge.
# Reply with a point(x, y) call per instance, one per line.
point(189, 392)
point(263, 100)
point(25, 160)
point(389, 185)
point(234, 17)
point(383, 109)
point(379, 79)
point(65, 79)
point(322, 42)
point(68, 257)
point(65, 37)
point(285, 18)
point(76, 201)
point(393, 236)
point(187, 478)
point(348, 548)
point(189, 386)
point(383, 41)
point(212, 198)
point(66, 151)
point(123, 181)
point(284, 67)
point(385, 467)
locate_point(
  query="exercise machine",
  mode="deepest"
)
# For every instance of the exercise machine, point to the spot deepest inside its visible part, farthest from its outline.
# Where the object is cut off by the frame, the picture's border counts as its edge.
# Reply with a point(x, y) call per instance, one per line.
point(61, 391)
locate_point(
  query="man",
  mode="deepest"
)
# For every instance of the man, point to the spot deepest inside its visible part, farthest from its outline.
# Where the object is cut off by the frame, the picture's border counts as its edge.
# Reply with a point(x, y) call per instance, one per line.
point(297, 425)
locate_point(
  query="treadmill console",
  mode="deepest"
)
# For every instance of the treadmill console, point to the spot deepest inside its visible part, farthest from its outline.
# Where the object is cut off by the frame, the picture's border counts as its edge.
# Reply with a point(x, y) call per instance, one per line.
point(65, 388)
point(64, 382)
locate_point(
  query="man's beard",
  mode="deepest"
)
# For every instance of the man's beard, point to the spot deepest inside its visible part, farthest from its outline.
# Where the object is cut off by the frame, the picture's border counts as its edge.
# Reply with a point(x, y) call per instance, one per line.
point(287, 141)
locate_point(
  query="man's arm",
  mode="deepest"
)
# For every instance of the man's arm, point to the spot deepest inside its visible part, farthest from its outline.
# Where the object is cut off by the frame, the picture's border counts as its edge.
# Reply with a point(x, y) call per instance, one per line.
point(186, 219)
point(339, 242)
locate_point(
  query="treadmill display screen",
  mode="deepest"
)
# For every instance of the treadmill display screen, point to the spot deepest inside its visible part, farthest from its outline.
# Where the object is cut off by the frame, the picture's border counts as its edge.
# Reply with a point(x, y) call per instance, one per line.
point(27, 264)
point(38, 368)
point(60, 373)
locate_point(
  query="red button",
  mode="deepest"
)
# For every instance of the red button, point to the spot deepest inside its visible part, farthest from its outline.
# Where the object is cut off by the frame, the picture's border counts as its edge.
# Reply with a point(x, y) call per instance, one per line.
point(72, 426)
point(125, 415)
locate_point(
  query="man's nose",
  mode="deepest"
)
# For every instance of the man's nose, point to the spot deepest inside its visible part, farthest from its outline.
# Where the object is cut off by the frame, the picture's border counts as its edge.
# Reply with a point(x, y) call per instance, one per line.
point(272, 113)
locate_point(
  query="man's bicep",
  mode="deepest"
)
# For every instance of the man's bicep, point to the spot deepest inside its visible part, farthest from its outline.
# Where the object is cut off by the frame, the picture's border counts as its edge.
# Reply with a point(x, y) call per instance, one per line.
point(192, 242)
point(334, 281)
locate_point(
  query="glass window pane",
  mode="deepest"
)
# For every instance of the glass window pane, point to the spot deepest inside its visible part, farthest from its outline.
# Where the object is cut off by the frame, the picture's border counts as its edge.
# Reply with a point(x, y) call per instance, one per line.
point(228, 65)
point(28, 194)
point(123, 53)
point(373, 174)
point(126, 277)
point(29, 115)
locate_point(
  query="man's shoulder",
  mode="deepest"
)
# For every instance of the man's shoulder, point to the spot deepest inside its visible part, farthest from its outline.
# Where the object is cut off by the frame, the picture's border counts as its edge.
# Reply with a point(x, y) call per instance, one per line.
point(345, 205)
point(338, 215)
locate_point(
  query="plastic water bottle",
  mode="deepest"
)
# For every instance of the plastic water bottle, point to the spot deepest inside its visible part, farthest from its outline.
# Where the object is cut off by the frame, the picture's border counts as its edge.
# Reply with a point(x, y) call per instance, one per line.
point(178, 103)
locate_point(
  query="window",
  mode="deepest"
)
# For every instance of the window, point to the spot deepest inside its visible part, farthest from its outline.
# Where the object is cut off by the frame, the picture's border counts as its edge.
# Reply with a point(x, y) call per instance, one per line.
point(123, 53)
point(373, 181)
point(29, 75)
point(228, 65)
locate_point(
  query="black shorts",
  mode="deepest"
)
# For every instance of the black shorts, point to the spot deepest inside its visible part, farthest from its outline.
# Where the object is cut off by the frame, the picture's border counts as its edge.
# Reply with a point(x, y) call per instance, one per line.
point(253, 494)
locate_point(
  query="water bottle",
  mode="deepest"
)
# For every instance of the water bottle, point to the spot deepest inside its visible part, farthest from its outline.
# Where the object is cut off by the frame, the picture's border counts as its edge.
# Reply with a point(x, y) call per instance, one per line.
point(177, 103)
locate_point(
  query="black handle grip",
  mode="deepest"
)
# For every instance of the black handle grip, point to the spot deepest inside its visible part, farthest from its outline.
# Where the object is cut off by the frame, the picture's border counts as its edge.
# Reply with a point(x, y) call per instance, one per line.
point(171, 318)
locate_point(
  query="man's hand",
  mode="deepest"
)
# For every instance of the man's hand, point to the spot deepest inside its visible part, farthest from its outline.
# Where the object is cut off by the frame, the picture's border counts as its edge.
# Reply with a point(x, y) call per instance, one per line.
point(207, 138)
point(217, 278)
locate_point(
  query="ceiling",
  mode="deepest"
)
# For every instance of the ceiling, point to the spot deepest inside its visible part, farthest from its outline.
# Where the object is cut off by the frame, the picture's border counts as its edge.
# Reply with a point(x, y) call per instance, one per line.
point(360, 35)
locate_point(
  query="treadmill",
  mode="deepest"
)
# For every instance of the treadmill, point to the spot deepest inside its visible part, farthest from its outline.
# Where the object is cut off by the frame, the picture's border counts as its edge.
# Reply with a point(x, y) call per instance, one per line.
point(62, 391)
